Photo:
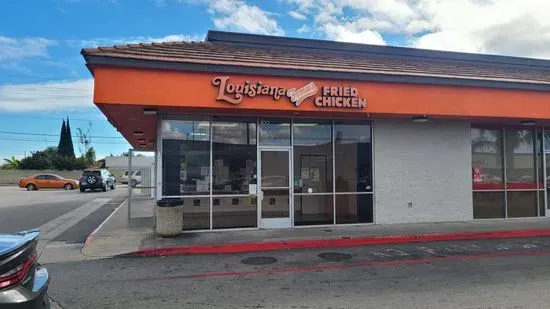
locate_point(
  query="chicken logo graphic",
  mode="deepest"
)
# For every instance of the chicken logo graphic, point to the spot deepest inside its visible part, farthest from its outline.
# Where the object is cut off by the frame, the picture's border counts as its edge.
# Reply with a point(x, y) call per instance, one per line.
point(297, 96)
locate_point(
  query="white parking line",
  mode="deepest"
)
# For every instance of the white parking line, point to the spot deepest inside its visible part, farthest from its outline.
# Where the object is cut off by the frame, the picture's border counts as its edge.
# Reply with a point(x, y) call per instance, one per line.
point(56, 227)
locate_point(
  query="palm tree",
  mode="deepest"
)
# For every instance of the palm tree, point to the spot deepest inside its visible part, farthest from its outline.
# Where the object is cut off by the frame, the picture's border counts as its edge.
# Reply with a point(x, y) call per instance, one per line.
point(491, 141)
point(12, 163)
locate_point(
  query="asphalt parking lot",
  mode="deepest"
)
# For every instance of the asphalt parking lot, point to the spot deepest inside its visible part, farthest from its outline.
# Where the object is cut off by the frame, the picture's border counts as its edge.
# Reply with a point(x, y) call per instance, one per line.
point(21, 209)
point(14, 196)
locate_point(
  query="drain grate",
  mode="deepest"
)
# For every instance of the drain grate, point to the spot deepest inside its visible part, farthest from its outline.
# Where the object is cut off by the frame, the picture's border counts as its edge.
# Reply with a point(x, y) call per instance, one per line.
point(259, 260)
point(334, 256)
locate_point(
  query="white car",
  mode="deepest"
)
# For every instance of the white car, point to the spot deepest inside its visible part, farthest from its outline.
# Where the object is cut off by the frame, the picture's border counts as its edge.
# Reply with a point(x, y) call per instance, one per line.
point(135, 180)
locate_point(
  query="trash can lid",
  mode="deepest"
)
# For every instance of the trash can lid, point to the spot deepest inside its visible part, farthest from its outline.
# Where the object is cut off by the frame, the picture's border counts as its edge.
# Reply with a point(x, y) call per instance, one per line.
point(170, 202)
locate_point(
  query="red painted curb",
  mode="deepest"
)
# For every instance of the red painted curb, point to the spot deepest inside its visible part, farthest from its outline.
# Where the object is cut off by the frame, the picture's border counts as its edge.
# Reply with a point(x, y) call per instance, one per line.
point(335, 242)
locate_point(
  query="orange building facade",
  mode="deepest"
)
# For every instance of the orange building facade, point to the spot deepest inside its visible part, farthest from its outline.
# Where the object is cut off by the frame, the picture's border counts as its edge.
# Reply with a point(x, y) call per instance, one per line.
point(266, 132)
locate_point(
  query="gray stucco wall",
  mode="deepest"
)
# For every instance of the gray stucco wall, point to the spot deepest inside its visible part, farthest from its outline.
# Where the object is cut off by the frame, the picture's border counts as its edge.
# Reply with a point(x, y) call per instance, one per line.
point(426, 164)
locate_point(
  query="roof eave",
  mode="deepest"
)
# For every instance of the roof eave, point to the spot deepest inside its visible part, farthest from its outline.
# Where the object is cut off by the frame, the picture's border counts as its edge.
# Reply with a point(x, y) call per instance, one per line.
point(92, 61)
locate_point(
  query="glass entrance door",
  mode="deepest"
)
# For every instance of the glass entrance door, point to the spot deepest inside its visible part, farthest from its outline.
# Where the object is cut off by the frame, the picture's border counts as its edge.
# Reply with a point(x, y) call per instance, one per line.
point(275, 188)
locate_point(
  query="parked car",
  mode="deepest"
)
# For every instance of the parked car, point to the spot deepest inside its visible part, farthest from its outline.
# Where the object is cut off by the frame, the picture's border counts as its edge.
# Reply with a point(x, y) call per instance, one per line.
point(135, 180)
point(41, 181)
point(97, 179)
point(23, 282)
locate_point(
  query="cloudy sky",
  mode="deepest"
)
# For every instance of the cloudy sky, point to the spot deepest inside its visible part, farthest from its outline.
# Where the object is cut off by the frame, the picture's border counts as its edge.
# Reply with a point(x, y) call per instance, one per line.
point(43, 77)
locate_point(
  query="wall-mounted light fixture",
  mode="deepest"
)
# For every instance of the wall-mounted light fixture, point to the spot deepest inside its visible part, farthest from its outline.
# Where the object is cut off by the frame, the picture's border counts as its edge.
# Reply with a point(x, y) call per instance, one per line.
point(149, 111)
point(527, 122)
point(420, 119)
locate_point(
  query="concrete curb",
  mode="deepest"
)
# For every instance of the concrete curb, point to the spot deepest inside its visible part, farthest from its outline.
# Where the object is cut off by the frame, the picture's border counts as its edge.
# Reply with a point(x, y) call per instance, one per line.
point(336, 242)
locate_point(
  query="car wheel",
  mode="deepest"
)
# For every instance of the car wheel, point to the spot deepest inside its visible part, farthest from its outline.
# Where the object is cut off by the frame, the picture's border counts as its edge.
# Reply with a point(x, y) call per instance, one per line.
point(68, 186)
point(104, 189)
point(113, 186)
point(133, 183)
point(82, 189)
point(31, 187)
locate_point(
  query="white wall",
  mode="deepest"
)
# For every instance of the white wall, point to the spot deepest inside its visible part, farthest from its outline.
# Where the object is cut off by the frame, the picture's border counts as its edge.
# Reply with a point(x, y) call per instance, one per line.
point(122, 162)
point(426, 164)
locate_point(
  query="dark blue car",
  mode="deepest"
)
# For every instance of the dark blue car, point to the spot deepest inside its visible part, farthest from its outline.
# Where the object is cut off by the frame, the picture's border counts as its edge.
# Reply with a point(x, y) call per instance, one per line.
point(23, 282)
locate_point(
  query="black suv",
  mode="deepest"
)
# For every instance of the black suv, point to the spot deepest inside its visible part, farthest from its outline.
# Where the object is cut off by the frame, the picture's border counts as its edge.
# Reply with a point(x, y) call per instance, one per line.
point(95, 179)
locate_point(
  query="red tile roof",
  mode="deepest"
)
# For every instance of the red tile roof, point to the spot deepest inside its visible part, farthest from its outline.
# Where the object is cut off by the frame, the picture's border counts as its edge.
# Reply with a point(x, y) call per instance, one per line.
point(261, 57)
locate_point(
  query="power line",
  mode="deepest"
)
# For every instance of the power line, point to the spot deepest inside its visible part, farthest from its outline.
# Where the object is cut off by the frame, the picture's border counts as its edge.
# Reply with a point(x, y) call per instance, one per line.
point(35, 77)
point(54, 118)
point(41, 94)
point(49, 141)
point(38, 134)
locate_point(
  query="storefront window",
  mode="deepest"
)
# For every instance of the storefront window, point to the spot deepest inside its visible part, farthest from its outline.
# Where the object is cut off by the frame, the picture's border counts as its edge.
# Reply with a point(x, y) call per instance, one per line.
point(487, 159)
point(274, 132)
point(522, 204)
point(212, 164)
point(196, 213)
point(234, 156)
point(234, 212)
point(354, 208)
point(312, 156)
point(353, 157)
point(489, 205)
point(234, 170)
point(520, 160)
point(313, 209)
point(186, 157)
point(515, 153)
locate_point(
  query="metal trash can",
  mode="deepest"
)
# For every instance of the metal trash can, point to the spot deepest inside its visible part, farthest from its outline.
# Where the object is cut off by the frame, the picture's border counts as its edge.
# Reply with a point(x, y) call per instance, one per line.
point(169, 221)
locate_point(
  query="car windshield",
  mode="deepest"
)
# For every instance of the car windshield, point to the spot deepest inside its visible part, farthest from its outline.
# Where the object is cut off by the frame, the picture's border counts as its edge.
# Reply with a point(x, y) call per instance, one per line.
point(91, 173)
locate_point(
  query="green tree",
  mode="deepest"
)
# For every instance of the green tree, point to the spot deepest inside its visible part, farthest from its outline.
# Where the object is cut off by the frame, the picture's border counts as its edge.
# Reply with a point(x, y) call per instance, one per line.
point(69, 141)
point(62, 146)
point(40, 160)
point(90, 156)
point(11, 163)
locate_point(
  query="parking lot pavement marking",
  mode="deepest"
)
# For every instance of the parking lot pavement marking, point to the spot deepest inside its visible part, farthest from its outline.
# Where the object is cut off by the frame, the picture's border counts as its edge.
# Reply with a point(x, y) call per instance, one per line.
point(54, 228)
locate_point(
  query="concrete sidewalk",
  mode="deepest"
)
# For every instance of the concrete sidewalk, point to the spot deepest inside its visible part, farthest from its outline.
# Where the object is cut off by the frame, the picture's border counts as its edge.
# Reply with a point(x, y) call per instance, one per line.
point(120, 236)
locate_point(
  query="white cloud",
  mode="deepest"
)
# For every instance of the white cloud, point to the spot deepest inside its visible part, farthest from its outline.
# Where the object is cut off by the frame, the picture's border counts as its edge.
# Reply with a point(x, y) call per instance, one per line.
point(239, 16)
point(481, 26)
point(349, 33)
point(94, 42)
point(501, 27)
point(297, 15)
point(50, 96)
point(304, 29)
point(15, 49)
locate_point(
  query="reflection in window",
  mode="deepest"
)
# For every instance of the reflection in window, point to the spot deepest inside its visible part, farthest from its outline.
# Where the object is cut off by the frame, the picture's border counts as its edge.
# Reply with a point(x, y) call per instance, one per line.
point(538, 158)
point(354, 208)
point(275, 171)
point(276, 203)
point(313, 209)
point(353, 157)
point(191, 130)
point(487, 160)
point(520, 160)
point(186, 158)
point(234, 156)
point(312, 157)
point(234, 212)
point(488, 205)
point(274, 132)
point(196, 213)
point(522, 204)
